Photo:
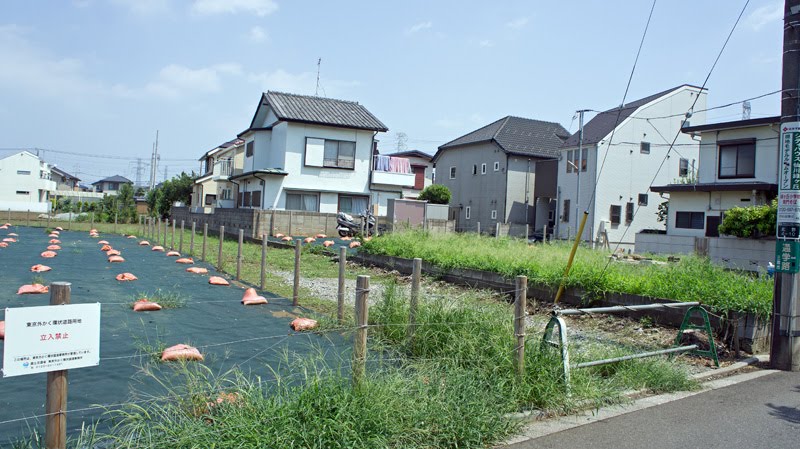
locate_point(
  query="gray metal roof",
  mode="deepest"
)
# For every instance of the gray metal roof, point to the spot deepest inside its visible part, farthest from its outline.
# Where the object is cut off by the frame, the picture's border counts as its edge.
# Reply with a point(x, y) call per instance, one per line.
point(323, 111)
point(115, 178)
point(517, 135)
point(603, 123)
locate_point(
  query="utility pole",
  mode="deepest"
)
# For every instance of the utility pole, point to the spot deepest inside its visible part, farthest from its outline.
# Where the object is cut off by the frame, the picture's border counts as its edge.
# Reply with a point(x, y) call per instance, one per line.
point(785, 347)
point(154, 164)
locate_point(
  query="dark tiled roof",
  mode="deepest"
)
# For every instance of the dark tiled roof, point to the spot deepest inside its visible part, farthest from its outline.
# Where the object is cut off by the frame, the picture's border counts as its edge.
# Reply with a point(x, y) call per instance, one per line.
point(517, 135)
point(221, 147)
point(115, 178)
point(603, 123)
point(410, 153)
point(324, 111)
point(64, 174)
point(734, 124)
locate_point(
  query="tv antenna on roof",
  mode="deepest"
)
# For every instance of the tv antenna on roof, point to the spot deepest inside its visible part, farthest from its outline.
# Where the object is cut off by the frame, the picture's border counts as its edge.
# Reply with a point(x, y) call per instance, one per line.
point(746, 110)
point(316, 91)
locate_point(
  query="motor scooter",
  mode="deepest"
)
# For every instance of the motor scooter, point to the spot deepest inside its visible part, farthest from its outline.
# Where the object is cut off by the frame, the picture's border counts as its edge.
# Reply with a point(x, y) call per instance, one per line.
point(348, 227)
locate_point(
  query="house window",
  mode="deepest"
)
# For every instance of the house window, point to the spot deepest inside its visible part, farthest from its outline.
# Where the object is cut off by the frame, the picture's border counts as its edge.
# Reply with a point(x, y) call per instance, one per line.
point(225, 194)
point(683, 167)
point(23, 172)
point(353, 204)
point(23, 192)
point(483, 169)
point(452, 173)
point(644, 148)
point(474, 169)
point(737, 160)
point(248, 149)
point(615, 212)
point(628, 212)
point(467, 213)
point(255, 199)
point(565, 214)
point(497, 166)
point(576, 160)
point(689, 220)
point(494, 214)
point(302, 201)
point(643, 199)
point(569, 159)
point(339, 154)
point(584, 157)
point(210, 199)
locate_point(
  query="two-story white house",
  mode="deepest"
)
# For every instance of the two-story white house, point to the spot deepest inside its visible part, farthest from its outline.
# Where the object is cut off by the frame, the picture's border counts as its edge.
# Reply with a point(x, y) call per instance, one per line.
point(613, 176)
point(214, 189)
point(307, 153)
point(399, 175)
point(25, 183)
point(738, 167)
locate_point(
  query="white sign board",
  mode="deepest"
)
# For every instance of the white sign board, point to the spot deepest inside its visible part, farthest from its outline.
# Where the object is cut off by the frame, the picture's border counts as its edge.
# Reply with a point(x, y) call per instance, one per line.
point(789, 182)
point(51, 338)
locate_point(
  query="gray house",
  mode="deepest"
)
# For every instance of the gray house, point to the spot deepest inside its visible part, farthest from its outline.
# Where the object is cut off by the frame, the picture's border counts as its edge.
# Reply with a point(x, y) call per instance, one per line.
point(111, 184)
point(503, 172)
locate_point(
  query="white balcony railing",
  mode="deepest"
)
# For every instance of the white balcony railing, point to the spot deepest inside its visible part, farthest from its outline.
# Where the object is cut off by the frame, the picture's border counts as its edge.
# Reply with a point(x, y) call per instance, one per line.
point(223, 168)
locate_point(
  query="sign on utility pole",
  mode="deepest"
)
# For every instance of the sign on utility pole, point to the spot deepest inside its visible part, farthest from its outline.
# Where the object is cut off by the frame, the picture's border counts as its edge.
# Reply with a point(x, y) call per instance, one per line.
point(785, 348)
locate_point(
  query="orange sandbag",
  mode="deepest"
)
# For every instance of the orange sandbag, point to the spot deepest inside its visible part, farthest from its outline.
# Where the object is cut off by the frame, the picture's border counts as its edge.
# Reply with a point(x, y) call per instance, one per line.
point(113, 259)
point(145, 305)
point(30, 289)
point(93, 231)
point(287, 239)
point(309, 240)
point(4, 227)
point(217, 280)
point(2, 330)
point(105, 248)
point(59, 228)
point(173, 254)
point(126, 277)
point(355, 244)
point(53, 248)
point(181, 352)
point(102, 242)
point(279, 236)
point(303, 324)
point(6, 224)
point(321, 236)
point(197, 270)
point(157, 248)
point(3, 245)
point(346, 239)
point(13, 234)
point(328, 243)
point(53, 236)
point(112, 252)
point(144, 243)
point(49, 254)
point(54, 241)
point(131, 236)
point(186, 260)
point(9, 240)
point(251, 298)
point(39, 268)
point(230, 398)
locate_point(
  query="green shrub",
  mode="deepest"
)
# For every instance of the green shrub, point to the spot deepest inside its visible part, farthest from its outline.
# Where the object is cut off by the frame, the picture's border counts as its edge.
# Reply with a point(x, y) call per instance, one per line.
point(751, 221)
point(436, 194)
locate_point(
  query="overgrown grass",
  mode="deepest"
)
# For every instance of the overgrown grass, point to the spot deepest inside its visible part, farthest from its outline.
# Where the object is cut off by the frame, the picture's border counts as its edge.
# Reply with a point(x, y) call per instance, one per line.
point(690, 279)
point(167, 299)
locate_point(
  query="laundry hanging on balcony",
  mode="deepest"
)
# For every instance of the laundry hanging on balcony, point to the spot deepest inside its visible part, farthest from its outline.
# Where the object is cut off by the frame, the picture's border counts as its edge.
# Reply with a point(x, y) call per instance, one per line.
point(392, 164)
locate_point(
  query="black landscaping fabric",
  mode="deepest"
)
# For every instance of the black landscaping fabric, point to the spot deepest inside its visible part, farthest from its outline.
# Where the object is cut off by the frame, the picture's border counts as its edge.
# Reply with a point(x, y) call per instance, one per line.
point(212, 315)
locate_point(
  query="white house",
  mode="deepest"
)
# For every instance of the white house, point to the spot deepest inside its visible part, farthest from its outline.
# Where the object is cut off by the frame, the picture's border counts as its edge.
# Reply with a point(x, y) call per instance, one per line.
point(214, 188)
point(614, 176)
point(307, 153)
point(738, 167)
point(399, 175)
point(25, 183)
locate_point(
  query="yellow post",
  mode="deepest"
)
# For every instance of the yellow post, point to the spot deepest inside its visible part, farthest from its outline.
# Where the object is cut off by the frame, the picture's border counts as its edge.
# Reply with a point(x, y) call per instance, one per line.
point(571, 256)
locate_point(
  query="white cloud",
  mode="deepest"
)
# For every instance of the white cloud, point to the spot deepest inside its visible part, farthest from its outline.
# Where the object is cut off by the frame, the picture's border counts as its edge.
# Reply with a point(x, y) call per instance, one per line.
point(145, 7)
point(419, 27)
point(485, 43)
point(517, 23)
point(257, 34)
point(765, 15)
point(175, 80)
point(257, 7)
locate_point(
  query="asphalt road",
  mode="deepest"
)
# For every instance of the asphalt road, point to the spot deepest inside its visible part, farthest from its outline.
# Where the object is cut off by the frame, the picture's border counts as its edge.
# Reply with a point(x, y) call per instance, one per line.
point(762, 412)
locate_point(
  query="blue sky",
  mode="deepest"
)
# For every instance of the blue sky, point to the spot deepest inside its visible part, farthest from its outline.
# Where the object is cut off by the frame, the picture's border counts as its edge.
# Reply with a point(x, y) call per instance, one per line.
point(100, 76)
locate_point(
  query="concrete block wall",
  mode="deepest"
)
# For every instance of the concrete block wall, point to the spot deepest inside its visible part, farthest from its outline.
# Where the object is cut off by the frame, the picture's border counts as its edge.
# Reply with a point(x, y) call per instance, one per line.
point(730, 252)
point(663, 244)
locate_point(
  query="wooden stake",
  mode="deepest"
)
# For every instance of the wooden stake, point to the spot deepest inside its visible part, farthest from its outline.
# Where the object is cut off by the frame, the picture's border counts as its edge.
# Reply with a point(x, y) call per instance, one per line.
point(219, 252)
point(340, 291)
point(205, 237)
point(239, 255)
point(180, 239)
point(416, 276)
point(69, 221)
point(264, 244)
point(519, 323)
point(116, 215)
point(56, 402)
point(298, 247)
point(191, 238)
point(360, 341)
point(497, 230)
point(158, 229)
point(172, 242)
point(28, 217)
point(479, 228)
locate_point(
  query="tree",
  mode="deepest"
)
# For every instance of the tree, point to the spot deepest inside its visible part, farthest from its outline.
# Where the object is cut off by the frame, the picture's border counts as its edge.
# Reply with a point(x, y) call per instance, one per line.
point(751, 221)
point(435, 194)
point(179, 188)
